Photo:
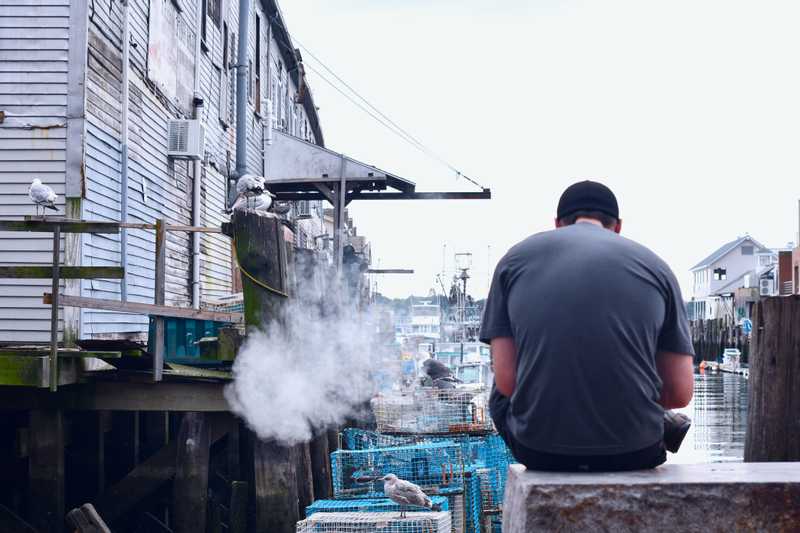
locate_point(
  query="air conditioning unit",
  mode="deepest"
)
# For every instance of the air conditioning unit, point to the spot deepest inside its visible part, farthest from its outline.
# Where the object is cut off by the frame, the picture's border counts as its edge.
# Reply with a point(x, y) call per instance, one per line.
point(302, 209)
point(185, 139)
point(765, 288)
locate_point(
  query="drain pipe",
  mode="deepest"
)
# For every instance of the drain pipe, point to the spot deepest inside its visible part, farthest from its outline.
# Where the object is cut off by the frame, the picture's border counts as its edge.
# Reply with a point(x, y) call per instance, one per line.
point(123, 177)
point(241, 88)
point(197, 171)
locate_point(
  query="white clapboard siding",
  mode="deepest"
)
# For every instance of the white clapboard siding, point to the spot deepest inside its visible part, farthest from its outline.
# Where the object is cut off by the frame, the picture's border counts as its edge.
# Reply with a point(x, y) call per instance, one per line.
point(34, 39)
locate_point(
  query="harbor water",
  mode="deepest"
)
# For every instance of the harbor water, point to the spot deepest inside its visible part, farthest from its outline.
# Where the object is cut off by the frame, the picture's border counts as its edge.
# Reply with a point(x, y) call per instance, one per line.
point(719, 420)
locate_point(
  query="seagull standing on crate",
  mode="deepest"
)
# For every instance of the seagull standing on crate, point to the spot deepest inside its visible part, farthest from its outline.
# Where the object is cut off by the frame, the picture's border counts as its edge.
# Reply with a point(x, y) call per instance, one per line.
point(42, 196)
point(404, 492)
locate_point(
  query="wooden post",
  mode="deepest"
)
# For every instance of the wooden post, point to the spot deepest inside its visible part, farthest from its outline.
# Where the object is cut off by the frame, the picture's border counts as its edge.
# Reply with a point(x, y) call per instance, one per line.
point(190, 489)
point(46, 470)
point(321, 466)
point(271, 471)
point(237, 514)
point(260, 249)
point(159, 297)
point(305, 481)
point(54, 309)
point(773, 425)
point(275, 488)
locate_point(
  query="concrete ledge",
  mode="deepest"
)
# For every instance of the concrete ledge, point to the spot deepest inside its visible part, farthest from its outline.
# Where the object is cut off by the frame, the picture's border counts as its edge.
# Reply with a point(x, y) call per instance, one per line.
point(703, 497)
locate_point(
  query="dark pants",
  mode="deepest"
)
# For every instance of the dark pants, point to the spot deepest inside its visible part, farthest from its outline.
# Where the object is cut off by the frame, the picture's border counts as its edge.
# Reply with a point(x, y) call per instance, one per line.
point(649, 457)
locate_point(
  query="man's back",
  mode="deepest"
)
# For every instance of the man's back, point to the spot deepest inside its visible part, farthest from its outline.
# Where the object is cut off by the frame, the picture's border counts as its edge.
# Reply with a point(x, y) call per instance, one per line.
point(588, 310)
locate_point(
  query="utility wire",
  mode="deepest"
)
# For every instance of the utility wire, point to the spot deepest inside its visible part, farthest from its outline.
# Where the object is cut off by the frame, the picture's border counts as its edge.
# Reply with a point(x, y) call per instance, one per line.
point(371, 110)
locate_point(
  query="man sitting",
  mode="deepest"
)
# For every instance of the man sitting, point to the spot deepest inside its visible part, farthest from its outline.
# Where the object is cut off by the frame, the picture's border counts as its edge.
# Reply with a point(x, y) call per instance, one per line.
point(590, 343)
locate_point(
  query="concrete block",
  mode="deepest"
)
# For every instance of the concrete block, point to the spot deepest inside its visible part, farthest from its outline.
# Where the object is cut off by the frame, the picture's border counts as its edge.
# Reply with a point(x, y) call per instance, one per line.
point(701, 497)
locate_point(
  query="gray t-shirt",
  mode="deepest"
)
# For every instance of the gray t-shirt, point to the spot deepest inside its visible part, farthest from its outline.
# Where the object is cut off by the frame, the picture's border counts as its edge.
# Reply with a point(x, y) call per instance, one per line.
point(588, 310)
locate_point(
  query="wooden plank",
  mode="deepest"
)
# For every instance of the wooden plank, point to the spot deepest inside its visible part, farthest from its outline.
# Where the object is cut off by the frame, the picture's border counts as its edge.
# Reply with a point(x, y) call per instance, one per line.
point(66, 226)
point(160, 285)
point(34, 371)
point(138, 308)
point(117, 396)
point(63, 352)
point(65, 272)
point(190, 488)
point(46, 470)
point(54, 309)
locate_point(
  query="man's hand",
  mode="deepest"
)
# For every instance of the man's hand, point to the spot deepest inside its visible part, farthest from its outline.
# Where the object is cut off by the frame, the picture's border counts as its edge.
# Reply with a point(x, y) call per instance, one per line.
point(504, 361)
point(676, 371)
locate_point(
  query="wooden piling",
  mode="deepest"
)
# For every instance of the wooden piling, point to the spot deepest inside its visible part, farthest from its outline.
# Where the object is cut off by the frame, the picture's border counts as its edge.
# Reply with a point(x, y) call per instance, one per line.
point(305, 482)
point(46, 470)
point(270, 467)
point(190, 488)
point(321, 466)
point(275, 488)
point(773, 425)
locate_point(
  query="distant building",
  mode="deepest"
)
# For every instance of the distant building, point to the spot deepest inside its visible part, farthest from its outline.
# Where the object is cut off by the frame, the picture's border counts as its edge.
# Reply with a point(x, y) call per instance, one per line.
point(423, 322)
point(743, 263)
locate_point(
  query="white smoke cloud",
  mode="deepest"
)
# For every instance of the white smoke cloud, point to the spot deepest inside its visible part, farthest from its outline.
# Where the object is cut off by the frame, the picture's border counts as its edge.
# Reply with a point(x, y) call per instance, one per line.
point(315, 371)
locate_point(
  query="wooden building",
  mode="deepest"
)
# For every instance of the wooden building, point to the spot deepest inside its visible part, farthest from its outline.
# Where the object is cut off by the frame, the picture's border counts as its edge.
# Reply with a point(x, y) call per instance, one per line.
point(93, 98)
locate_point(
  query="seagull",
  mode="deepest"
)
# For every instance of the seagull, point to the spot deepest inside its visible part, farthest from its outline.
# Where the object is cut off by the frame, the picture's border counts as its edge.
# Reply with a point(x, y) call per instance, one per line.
point(42, 196)
point(249, 184)
point(404, 492)
point(440, 374)
point(262, 202)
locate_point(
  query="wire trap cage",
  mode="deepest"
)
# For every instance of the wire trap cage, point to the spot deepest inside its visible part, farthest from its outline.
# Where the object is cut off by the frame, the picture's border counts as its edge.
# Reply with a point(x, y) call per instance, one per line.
point(432, 411)
point(432, 466)
point(372, 505)
point(437, 522)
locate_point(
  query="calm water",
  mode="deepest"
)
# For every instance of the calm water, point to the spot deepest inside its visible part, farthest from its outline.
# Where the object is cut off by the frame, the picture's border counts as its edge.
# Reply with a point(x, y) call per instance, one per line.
point(719, 420)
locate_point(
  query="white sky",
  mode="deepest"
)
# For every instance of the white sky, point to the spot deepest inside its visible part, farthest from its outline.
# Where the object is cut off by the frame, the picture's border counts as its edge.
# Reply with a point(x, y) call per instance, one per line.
point(688, 110)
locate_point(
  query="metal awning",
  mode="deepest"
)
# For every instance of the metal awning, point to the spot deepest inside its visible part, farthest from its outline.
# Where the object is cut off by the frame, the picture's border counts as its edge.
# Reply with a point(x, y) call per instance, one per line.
point(300, 170)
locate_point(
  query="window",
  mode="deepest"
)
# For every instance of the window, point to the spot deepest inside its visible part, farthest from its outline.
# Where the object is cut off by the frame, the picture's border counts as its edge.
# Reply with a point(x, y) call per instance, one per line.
point(213, 8)
point(224, 93)
point(720, 274)
point(747, 250)
point(765, 260)
point(257, 73)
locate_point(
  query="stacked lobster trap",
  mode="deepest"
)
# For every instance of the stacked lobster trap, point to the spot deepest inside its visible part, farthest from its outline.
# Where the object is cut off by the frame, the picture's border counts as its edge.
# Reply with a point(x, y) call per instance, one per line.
point(377, 522)
point(443, 441)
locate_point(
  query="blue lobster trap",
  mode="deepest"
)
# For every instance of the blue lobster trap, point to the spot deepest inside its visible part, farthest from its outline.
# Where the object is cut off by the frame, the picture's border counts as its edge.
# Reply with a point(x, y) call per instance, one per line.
point(432, 466)
point(372, 505)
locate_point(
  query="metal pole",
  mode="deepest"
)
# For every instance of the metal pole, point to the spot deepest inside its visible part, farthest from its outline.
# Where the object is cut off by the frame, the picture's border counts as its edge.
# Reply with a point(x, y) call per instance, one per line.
point(123, 179)
point(54, 310)
point(241, 88)
point(159, 297)
point(197, 170)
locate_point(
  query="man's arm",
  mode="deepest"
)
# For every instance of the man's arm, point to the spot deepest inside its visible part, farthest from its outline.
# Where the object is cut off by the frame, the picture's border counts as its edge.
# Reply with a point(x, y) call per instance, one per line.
point(676, 371)
point(504, 361)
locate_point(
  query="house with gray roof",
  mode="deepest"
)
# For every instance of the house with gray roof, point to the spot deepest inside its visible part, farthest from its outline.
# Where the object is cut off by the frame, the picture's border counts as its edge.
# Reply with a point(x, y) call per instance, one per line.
point(741, 263)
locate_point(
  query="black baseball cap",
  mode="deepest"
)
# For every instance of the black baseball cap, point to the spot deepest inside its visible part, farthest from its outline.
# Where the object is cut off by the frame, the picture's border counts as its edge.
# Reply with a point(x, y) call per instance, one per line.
point(587, 196)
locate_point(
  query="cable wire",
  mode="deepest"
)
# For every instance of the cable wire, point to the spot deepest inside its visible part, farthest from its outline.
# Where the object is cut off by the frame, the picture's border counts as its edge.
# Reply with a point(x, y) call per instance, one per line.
point(375, 113)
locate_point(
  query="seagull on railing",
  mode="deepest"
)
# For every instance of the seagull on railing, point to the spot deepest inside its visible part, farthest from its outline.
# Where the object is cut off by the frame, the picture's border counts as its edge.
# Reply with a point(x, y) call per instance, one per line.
point(42, 196)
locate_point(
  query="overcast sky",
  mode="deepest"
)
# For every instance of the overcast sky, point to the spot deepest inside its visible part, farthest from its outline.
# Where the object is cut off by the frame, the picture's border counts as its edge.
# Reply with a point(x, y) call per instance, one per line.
point(688, 110)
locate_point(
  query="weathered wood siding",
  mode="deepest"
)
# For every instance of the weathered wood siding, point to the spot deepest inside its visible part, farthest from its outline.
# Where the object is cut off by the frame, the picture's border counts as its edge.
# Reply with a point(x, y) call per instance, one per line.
point(34, 66)
point(34, 43)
